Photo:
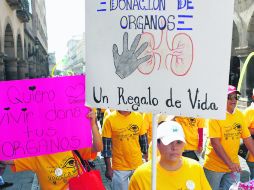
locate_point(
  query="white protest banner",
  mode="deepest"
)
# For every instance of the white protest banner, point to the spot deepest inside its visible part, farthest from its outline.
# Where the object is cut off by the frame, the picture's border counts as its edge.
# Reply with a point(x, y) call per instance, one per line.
point(160, 56)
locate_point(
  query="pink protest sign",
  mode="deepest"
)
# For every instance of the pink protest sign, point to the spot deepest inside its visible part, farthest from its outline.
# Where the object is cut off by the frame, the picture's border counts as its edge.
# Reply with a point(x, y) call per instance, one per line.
point(43, 116)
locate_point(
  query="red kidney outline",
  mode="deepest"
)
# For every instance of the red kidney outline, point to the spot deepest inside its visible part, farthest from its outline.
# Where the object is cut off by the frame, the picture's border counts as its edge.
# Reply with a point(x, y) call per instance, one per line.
point(152, 59)
point(155, 52)
point(192, 55)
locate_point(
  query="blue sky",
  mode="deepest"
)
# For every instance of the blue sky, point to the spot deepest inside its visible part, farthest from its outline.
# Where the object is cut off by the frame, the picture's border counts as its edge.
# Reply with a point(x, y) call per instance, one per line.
point(65, 18)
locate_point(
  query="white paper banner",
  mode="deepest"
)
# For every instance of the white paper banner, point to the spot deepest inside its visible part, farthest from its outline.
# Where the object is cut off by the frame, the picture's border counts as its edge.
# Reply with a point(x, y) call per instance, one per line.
point(160, 56)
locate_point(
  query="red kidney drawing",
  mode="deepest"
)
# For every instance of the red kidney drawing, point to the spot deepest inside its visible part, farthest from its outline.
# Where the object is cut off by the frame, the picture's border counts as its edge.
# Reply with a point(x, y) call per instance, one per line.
point(181, 58)
point(147, 67)
point(178, 57)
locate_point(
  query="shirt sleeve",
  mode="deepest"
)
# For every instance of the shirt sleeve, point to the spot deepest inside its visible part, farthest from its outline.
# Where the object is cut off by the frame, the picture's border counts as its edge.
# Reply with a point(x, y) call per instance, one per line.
point(146, 121)
point(249, 118)
point(201, 123)
point(107, 147)
point(24, 164)
point(245, 131)
point(107, 128)
point(214, 129)
point(144, 127)
point(143, 143)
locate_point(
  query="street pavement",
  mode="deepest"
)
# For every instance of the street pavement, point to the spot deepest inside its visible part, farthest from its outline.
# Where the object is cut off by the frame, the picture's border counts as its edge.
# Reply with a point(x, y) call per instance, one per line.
point(20, 180)
point(28, 180)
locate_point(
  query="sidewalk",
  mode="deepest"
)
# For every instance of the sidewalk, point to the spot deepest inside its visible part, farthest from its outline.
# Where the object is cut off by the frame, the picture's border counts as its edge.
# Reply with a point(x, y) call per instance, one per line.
point(28, 180)
point(20, 180)
point(99, 162)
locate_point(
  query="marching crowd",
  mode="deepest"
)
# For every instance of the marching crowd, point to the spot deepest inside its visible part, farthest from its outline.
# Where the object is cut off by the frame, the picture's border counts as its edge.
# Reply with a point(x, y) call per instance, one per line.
point(125, 144)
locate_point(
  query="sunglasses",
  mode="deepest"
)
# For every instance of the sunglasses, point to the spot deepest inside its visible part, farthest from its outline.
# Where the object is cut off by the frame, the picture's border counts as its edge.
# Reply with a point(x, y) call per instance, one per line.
point(233, 97)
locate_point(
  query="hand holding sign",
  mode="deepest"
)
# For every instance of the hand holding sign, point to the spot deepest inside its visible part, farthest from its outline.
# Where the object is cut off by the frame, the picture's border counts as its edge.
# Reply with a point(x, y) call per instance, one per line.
point(128, 61)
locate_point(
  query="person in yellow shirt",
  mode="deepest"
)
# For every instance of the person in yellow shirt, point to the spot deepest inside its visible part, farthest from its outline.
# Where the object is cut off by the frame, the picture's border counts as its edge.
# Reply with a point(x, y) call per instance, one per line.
point(160, 119)
point(106, 113)
point(124, 139)
point(148, 119)
point(221, 164)
point(173, 170)
point(55, 170)
point(193, 130)
point(249, 117)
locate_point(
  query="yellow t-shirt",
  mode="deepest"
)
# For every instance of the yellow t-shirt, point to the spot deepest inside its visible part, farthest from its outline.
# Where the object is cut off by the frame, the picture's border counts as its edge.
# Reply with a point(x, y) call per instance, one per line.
point(190, 127)
point(124, 132)
point(229, 131)
point(190, 174)
point(106, 113)
point(249, 118)
point(53, 171)
point(150, 151)
point(148, 119)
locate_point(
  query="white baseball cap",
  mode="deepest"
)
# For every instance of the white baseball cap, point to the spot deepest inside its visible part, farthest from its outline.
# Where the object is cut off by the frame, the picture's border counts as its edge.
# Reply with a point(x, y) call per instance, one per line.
point(170, 131)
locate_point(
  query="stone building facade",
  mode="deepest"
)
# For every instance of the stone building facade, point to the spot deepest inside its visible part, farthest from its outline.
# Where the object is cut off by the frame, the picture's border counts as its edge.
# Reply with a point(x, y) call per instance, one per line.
point(23, 39)
point(76, 55)
point(243, 45)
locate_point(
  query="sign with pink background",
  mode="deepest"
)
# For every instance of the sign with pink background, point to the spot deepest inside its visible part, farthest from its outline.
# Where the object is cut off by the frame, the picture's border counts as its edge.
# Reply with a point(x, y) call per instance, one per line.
point(43, 116)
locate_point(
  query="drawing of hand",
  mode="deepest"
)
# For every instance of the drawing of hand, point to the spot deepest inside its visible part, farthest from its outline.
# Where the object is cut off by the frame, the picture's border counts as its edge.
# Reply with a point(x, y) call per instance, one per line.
point(128, 61)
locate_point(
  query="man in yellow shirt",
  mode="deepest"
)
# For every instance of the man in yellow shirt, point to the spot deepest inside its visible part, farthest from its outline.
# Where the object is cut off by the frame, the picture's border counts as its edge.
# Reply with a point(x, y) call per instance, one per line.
point(221, 163)
point(55, 170)
point(124, 139)
point(173, 170)
point(249, 117)
point(193, 130)
point(148, 119)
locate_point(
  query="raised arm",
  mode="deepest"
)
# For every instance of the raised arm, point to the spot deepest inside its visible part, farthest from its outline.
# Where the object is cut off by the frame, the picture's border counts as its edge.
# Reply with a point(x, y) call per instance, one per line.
point(97, 141)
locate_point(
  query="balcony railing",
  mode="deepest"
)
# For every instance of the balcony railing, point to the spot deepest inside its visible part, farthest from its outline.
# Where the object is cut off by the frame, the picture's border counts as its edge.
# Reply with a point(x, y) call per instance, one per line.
point(23, 15)
point(15, 4)
point(22, 9)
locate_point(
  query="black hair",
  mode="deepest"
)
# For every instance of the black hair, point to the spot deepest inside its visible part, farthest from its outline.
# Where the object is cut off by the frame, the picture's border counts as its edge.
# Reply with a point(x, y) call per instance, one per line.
point(160, 122)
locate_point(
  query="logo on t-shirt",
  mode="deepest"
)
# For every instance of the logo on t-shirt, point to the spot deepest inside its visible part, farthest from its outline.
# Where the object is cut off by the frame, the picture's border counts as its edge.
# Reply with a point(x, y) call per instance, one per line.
point(233, 131)
point(192, 121)
point(128, 133)
point(190, 185)
point(62, 171)
point(237, 127)
point(134, 128)
point(58, 171)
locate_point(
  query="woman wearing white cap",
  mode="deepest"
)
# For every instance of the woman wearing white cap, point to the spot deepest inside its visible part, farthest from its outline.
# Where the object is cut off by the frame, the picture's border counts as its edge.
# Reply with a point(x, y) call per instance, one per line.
point(173, 170)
